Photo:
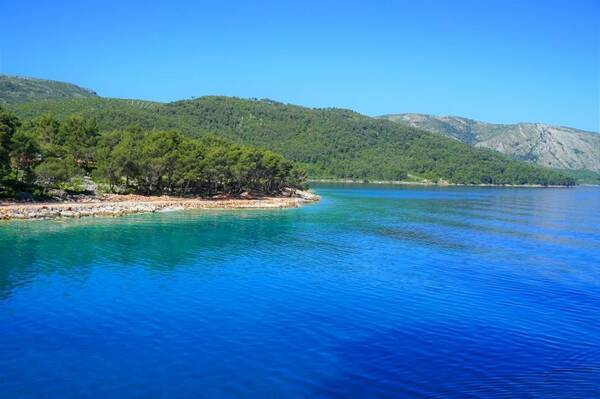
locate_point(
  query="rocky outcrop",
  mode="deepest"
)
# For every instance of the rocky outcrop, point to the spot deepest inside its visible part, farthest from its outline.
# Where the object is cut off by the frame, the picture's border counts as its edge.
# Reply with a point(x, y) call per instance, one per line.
point(301, 194)
point(117, 205)
point(546, 145)
point(551, 146)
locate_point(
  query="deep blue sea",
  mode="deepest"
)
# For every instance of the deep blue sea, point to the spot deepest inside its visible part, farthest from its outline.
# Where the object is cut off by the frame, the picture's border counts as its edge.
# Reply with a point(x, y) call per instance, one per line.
point(375, 292)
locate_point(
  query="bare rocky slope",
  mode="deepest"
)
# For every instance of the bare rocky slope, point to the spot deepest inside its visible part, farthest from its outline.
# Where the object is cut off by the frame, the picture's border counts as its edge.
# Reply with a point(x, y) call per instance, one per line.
point(546, 145)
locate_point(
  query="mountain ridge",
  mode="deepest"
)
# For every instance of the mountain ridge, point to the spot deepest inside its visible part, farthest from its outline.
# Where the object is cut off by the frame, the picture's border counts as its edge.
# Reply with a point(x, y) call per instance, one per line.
point(329, 142)
point(19, 89)
point(541, 143)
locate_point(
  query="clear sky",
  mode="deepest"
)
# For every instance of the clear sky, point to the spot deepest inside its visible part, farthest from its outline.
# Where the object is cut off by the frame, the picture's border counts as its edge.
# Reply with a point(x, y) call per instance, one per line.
point(503, 61)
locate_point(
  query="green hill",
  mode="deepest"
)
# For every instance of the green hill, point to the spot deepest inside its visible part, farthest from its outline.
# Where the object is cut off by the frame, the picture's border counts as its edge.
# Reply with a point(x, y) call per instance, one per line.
point(330, 143)
point(47, 157)
point(16, 89)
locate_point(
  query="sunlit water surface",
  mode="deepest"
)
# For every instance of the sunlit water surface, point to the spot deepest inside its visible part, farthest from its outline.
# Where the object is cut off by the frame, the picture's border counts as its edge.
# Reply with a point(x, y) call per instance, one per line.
point(376, 292)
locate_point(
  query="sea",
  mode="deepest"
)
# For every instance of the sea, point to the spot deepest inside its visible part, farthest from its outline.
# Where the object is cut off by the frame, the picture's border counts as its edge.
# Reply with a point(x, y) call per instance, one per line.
point(374, 292)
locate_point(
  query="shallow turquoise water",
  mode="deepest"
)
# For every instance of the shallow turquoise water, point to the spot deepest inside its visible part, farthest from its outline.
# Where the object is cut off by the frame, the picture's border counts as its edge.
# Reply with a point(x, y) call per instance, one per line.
point(376, 292)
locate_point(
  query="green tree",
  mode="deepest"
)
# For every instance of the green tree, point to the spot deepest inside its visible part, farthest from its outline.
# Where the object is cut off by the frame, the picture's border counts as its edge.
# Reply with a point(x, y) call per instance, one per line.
point(107, 165)
point(25, 154)
point(8, 126)
point(51, 172)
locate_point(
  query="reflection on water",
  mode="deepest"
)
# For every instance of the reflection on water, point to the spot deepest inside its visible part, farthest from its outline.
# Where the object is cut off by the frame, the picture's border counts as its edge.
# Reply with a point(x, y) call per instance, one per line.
point(377, 291)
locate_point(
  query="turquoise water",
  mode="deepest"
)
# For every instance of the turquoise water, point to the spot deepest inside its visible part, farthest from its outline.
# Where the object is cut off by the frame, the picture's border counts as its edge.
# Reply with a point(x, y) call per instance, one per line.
point(376, 292)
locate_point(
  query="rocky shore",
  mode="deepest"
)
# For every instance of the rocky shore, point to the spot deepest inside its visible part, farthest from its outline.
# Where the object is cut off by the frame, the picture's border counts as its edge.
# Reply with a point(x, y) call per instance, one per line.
point(118, 205)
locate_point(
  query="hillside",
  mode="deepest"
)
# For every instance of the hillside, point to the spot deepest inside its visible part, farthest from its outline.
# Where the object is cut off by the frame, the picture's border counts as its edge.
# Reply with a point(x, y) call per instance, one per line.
point(14, 90)
point(546, 145)
point(330, 143)
point(48, 157)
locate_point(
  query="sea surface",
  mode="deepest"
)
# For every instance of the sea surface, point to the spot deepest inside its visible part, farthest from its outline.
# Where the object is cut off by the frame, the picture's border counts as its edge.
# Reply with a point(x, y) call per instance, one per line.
point(375, 292)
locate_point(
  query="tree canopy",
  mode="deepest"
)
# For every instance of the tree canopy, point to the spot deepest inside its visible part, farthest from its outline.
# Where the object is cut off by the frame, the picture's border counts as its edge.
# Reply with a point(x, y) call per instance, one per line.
point(330, 143)
point(46, 152)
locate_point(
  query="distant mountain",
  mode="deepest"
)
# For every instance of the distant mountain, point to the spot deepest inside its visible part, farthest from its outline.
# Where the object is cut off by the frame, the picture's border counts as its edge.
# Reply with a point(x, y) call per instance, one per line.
point(16, 89)
point(330, 143)
point(546, 145)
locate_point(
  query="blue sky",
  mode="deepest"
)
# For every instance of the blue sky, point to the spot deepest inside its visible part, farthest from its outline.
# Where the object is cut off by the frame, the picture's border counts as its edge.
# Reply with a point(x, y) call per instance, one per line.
point(504, 61)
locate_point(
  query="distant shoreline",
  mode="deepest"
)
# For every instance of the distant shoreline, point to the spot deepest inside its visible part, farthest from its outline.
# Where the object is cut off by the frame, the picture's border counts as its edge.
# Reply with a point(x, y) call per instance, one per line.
point(118, 205)
point(430, 183)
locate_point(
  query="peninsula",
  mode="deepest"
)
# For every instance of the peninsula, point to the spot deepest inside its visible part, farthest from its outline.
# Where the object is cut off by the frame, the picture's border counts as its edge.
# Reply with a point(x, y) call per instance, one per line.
point(67, 168)
point(118, 205)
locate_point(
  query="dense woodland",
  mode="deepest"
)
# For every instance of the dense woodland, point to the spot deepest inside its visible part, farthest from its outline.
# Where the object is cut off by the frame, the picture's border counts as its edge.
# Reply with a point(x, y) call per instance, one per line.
point(329, 143)
point(47, 153)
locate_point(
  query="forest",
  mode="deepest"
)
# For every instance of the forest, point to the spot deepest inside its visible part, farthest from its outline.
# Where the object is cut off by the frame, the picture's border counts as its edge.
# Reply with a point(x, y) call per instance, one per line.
point(328, 143)
point(50, 153)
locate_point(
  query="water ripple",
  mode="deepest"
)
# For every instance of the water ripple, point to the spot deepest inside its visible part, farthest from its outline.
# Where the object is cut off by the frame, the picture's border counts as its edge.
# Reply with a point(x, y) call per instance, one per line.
point(376, 292)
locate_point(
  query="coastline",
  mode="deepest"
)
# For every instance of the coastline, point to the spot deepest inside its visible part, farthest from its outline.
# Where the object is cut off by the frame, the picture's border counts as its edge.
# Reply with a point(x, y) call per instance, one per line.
point(119, 205)
point(431, 183)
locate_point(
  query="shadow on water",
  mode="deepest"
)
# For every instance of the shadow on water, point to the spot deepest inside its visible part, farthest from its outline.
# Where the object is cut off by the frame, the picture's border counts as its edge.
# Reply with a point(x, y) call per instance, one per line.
point(159, 242)
point(461, 220)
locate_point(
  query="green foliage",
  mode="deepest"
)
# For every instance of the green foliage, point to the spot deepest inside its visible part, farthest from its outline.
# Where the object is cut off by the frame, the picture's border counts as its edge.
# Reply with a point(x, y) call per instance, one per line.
point(25, 154)
point(169, 162)
point(52, 172)
point(330, 143)
point(14, 89)
point(8, 126)
point(80, 137)
point(582, 176)
point(48, 153)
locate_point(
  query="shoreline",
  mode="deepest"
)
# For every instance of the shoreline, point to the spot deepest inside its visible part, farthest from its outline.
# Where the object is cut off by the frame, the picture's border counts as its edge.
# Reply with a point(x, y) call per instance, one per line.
point(430, 183)
point(119, 205)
